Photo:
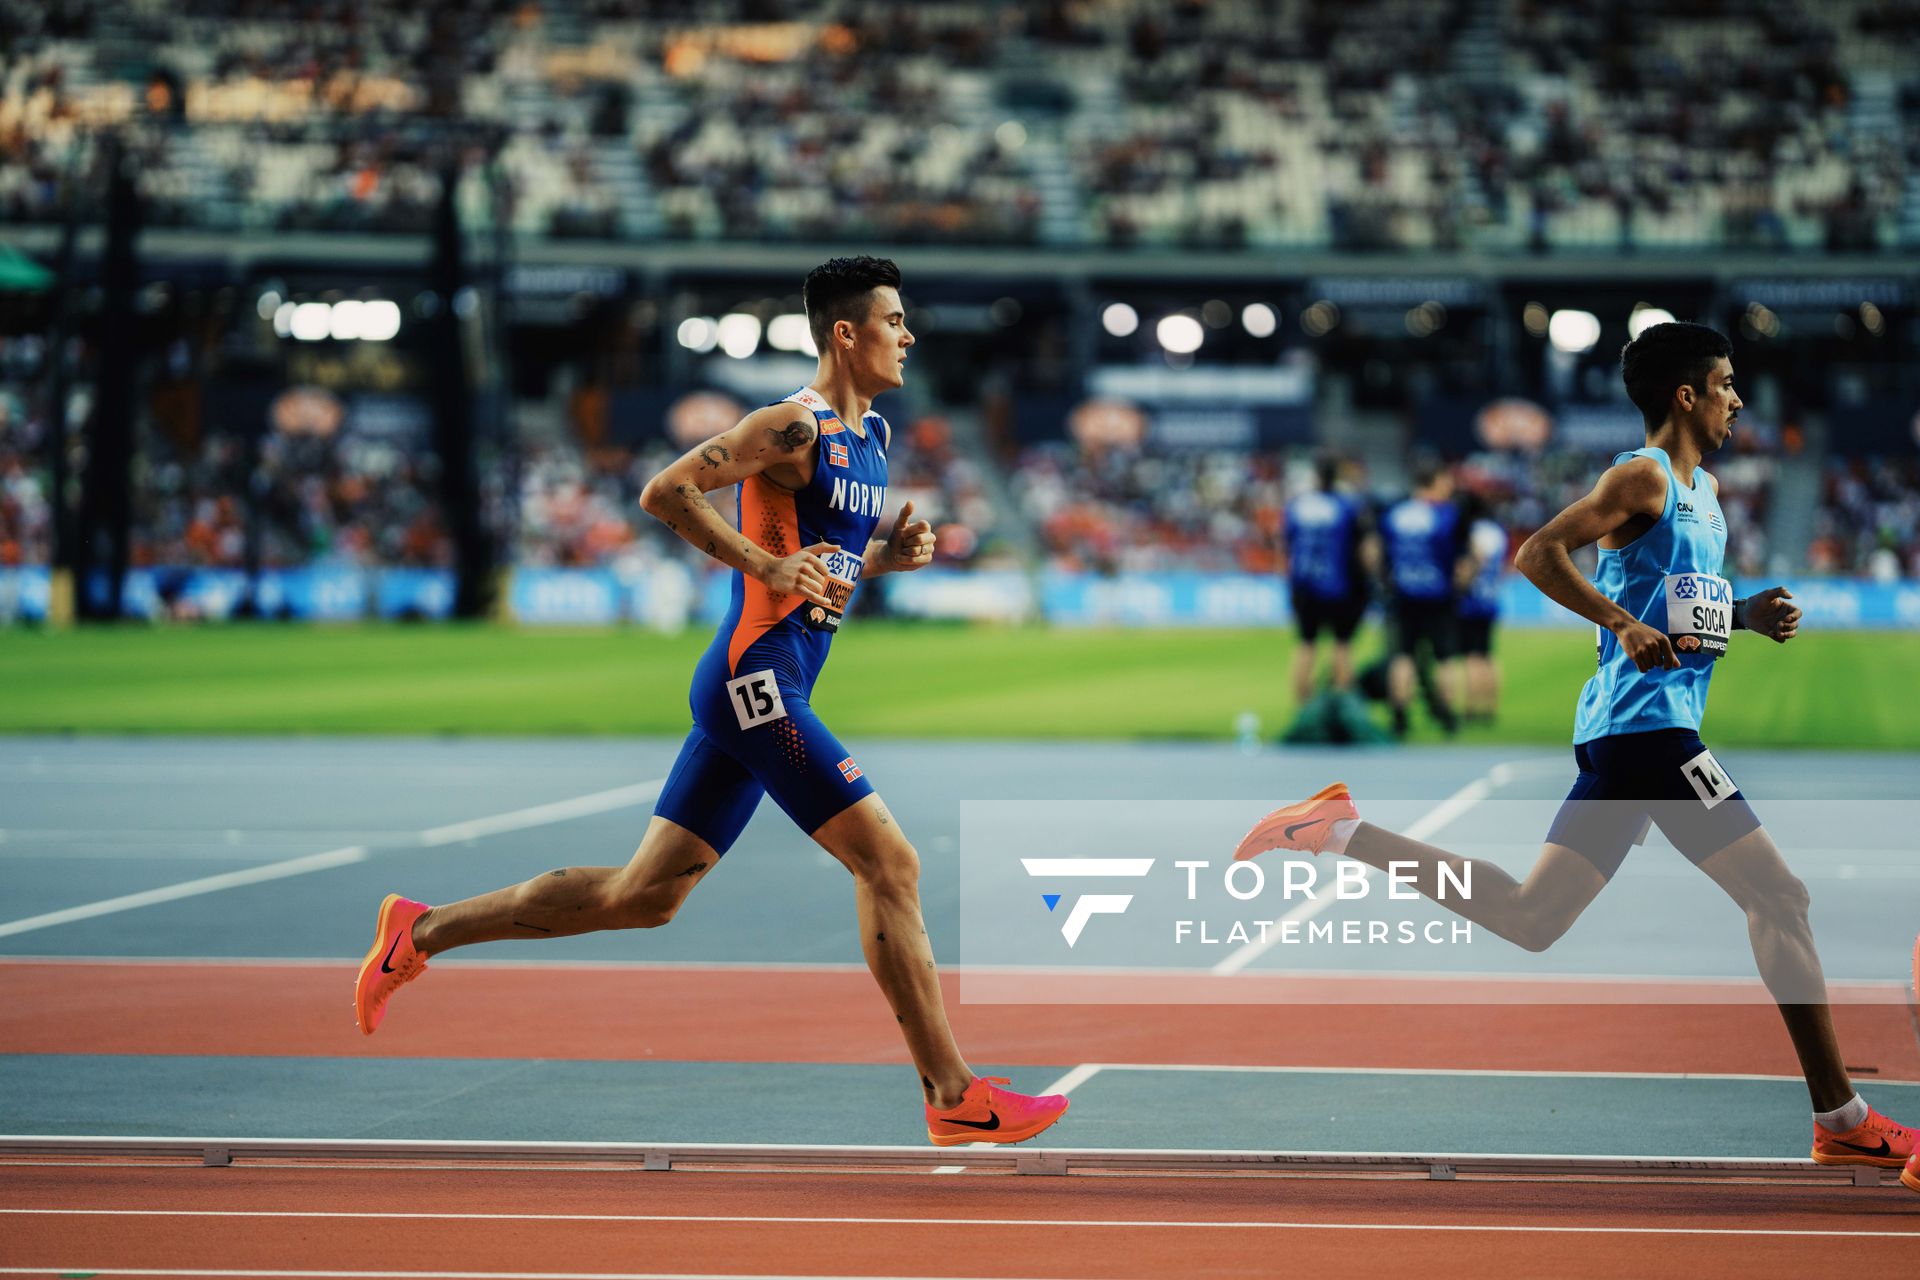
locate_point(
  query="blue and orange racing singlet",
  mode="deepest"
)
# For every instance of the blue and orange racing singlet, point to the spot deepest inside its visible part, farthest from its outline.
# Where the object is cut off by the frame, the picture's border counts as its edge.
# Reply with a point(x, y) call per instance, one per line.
point(1669, 578)
point(841, 504)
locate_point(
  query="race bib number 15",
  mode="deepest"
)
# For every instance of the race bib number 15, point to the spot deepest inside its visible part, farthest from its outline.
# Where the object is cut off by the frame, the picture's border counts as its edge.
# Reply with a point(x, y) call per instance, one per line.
point(756, 699)
point(1699, 613)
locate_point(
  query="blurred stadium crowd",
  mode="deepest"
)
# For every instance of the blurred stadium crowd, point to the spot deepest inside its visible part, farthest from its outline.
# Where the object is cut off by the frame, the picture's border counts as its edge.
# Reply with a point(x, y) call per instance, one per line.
point(1506, 127)
point(1078, 507)
point(1353, 124)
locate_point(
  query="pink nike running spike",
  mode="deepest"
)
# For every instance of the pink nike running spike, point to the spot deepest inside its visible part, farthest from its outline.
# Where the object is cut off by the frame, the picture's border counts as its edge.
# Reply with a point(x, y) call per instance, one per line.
point(986, 1113)
point(391, 962)
point(1304, 826)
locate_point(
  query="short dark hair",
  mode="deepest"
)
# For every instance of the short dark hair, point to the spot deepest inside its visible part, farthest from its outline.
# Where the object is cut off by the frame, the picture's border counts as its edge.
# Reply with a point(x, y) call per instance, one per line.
point(841, 289)
point(1426, 470)
point(1326, 469)
point(1666, 356)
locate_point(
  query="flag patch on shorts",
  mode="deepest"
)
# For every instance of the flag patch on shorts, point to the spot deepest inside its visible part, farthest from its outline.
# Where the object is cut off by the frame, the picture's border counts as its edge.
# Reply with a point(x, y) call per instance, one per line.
point(837, 454)
point(849, 770)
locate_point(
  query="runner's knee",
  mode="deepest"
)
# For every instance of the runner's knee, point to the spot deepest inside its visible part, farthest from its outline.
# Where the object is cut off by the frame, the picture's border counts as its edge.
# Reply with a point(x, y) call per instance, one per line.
point(1779, 898)
point(646, 905)
point(1536, 933)
point(893, 867)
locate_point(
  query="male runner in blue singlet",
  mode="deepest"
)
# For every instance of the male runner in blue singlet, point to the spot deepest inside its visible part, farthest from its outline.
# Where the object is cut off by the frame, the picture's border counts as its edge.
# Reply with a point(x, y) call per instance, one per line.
point(811, 472)
point(1662, 614)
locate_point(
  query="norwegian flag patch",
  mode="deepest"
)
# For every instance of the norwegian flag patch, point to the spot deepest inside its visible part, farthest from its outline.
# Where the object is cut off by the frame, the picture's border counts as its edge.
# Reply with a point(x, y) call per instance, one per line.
point(837, 454)
point(849, 770)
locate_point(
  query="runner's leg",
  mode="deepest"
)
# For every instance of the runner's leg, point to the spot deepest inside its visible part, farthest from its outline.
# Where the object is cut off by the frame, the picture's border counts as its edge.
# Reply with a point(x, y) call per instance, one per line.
point(1775, 900)
point(644, 894)
point(893, 936)
point(1531, 913)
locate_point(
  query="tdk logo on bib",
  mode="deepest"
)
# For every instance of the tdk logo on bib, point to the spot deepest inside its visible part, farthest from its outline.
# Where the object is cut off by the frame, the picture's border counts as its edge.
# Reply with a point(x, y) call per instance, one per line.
point(1713, 590)
point(860, 499)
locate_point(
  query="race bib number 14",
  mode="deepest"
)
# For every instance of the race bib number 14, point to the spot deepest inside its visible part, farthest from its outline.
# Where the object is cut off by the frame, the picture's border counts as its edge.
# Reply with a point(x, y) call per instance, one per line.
point(1699, 613)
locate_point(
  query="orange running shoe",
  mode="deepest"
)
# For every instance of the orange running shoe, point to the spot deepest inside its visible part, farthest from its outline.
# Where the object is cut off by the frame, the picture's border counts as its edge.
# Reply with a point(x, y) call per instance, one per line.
point(391, 962)
point(1910, 1176)
point(1877, 1141)
point(1304, 826)
point(989, 1114)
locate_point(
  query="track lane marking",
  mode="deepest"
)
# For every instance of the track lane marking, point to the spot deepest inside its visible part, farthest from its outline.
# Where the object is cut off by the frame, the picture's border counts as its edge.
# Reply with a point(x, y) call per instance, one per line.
point(1159, 1224)
point(433, 837)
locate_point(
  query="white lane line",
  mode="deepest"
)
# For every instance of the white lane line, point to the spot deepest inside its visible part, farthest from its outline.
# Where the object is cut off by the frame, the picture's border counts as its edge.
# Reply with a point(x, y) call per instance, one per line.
point(1064, 1085)
point(1074, 1078)
point(447, 1275)
point(1427, 824)
point(541, 815)
point(515, 820)
point(443, 1275)
point(796, 1220)
point(1263, 1069)
point(189, 889)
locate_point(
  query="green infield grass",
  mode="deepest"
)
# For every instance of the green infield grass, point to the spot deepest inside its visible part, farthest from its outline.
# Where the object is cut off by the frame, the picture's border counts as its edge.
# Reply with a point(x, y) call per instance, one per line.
point(1836, 690)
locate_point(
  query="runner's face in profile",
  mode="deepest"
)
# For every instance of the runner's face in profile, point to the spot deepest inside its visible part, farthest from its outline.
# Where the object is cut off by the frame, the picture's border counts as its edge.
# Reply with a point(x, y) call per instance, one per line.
point(1715, 410)
point(880, 344)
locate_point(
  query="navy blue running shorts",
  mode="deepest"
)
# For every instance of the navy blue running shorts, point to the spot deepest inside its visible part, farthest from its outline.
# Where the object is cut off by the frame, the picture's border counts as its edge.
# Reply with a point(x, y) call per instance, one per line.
point(1630, 782)
point(756, 735)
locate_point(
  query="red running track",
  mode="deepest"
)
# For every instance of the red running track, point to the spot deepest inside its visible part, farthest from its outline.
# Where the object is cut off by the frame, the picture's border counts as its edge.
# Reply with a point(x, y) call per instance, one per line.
point(517, 1222)
point(838, 1016)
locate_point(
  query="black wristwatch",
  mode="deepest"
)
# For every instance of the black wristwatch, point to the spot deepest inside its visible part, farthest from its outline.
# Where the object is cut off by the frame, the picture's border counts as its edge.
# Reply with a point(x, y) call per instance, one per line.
point(1738, 625)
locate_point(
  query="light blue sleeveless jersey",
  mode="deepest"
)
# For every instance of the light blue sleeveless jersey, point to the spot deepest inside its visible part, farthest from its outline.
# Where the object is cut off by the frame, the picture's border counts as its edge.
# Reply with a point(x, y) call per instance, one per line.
point(1669, 578)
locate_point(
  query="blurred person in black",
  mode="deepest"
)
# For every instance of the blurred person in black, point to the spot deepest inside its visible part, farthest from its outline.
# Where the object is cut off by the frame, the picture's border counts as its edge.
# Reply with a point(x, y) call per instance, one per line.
point(1422, 537)
point(1476, 688)
point(1332, 551)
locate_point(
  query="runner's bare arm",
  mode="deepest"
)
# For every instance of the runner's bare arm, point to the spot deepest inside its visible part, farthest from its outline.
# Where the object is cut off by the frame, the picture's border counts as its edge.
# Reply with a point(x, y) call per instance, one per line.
point(1632, 489)
point(776, 442)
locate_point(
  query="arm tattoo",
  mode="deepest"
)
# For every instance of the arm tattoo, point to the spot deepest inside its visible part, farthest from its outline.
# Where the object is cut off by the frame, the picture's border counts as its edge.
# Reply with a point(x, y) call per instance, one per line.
point(691, 495)
point(794, 436)
point(712, 546)
point(522, 924)
point(715, 454)
point(693, 870)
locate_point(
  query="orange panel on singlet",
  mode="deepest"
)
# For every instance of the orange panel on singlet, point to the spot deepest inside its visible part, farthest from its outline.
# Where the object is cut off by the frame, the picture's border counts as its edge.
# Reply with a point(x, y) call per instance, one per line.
point(768, 518)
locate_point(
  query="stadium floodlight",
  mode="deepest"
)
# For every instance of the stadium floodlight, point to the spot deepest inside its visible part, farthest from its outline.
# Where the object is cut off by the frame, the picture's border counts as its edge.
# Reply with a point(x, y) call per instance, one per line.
point(739, 334)
point(312, 321)
point(1119, 319)
point(1259, 319)
point(1180, 334)
point(789, 332)
point(698, 333)
point(283, 320)
point(1012, 135)
point(343, 320)
point(1573, 331)
point(269, 305)
point(1645, 317)
point(380, 320)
